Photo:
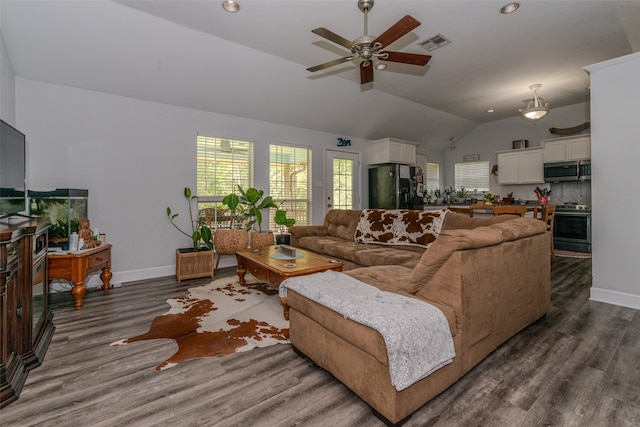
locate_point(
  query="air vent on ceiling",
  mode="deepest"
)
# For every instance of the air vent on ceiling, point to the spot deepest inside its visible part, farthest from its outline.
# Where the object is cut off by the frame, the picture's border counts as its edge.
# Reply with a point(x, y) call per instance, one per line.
point(435, 42)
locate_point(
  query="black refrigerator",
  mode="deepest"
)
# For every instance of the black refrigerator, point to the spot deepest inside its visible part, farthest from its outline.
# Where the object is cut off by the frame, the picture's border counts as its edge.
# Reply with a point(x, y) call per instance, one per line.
point(393, 186)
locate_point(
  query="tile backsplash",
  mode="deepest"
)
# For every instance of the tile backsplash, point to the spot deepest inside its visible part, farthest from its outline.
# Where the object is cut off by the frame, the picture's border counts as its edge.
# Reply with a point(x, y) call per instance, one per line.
point(561, 192)
point(571, 192)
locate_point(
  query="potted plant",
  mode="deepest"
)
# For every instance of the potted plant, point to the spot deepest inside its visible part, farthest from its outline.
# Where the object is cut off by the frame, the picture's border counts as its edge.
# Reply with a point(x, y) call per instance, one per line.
point(253, 202)
point(196, 261)
point(280, 218)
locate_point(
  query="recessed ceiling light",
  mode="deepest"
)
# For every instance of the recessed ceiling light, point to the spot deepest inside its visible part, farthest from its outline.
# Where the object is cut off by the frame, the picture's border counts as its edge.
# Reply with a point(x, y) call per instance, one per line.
point(230, 5)
point(491, 110)
point(509, 8)
point(380, 66)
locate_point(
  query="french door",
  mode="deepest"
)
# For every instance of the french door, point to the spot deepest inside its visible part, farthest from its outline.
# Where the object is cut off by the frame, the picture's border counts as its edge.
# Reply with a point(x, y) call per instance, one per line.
point(342, 180)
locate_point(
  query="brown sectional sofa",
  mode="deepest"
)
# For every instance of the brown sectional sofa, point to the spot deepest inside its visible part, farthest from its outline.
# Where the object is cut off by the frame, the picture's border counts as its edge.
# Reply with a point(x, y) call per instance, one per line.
point(489, 276)
point(335, 238)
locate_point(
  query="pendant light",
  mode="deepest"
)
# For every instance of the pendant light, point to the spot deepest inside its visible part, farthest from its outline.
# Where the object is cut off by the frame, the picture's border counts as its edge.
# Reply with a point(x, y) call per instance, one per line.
point(536, 108)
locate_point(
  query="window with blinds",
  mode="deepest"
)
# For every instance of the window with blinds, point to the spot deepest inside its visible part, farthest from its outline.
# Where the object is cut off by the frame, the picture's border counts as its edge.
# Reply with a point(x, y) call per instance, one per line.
point(473, 176)
point(223, 164)
point(432, 176)
point(290, 181)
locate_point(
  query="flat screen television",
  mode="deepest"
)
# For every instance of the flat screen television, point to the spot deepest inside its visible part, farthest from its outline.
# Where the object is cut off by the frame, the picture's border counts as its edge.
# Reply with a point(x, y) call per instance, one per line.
point(12, 171)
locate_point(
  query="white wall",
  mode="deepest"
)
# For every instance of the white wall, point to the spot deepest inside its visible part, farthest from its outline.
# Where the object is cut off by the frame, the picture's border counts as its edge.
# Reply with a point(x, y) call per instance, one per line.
point(498, 135)
point(615, 150)
point(135, 157)
point(7, 82)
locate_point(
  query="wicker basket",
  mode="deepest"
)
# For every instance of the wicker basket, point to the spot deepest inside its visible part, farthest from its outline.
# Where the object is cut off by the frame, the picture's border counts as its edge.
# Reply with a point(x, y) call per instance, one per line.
point(228, 242)
point(191, 264)
point(261, 240)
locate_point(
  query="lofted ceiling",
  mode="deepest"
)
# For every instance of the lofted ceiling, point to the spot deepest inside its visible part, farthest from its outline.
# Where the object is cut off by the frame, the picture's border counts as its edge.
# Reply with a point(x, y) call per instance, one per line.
point(253, 63)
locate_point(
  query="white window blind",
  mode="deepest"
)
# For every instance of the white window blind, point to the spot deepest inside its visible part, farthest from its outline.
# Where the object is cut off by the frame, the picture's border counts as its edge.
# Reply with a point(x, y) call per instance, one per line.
point(432, 176)
point(222, 164)
point(472, 176)
point(290, 180)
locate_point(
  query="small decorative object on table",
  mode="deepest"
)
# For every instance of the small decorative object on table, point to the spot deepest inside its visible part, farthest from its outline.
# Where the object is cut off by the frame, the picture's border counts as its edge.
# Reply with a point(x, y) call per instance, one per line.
point(288, 250)
point(85, 234)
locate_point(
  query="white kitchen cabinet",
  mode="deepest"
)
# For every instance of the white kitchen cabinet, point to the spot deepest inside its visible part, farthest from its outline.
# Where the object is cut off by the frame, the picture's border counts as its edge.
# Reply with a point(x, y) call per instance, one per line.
point(578, 148)
point(566, 149)
point(521, 167)
point(508, 166)
point(391, 150)
point(554, 151)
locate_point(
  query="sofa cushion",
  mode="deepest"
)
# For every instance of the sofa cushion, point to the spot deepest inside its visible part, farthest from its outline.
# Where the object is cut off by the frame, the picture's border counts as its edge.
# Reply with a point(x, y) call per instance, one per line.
point(342, 223)
point(454, 221)
point(448, 242)
point(391, 278)
point(399, 227)
point(316, 243)
point(343, 249)
point(520, 228)
point(369, 256)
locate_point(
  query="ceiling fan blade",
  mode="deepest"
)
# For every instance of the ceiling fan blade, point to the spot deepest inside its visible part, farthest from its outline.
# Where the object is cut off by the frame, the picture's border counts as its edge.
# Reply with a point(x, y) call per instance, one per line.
point(329, 35)
point(330, 64)
point(366, 72)
point(397, 30)
point(405, 58)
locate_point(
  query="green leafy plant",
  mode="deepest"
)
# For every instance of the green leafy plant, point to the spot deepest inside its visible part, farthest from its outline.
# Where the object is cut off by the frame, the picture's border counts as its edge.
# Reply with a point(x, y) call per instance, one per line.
point(254, 203)
point(236, 210)
point(462, 193)
point(280, 217)
point(200, 232)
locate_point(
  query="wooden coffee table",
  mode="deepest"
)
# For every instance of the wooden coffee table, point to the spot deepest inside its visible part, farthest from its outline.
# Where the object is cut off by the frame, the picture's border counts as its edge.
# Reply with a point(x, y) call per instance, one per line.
point(263, 267)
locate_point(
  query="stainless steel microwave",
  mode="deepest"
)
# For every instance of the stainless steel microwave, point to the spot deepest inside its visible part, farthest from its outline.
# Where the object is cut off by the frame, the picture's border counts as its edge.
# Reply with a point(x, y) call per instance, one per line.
point(561, 171)
point(585, 170)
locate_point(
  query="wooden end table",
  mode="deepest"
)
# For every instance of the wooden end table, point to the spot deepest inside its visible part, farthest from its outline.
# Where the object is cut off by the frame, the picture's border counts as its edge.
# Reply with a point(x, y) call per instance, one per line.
point(263, 267)
point(75, 267)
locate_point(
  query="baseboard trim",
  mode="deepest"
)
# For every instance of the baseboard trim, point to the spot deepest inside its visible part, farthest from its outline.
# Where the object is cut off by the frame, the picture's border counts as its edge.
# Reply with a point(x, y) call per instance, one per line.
point(143, 274)
point(614, 297)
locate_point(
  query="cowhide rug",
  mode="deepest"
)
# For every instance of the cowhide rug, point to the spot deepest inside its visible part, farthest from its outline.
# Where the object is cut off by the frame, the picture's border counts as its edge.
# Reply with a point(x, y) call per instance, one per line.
point(219, 318)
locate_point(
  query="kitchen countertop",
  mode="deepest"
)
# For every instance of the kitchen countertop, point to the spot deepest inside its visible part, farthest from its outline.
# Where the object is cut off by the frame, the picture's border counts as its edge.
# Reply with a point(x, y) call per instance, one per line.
point(480, 209)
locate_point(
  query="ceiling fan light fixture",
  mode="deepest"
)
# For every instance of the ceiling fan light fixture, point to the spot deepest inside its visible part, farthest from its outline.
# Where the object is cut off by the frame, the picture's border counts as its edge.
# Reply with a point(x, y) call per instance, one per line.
point(536, 108)
point(231, 6)
point(367, 49)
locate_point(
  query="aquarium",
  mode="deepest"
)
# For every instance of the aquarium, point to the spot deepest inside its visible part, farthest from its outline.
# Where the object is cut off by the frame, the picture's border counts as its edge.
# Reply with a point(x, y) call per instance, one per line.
point(64, 207)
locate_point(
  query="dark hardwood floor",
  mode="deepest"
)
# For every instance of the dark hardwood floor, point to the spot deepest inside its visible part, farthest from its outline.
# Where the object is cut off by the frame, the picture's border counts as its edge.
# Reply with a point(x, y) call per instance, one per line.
point(578, 366)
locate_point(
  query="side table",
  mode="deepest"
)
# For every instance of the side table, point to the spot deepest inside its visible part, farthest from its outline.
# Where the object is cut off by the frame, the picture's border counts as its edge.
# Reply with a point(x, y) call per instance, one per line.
point(76, 267)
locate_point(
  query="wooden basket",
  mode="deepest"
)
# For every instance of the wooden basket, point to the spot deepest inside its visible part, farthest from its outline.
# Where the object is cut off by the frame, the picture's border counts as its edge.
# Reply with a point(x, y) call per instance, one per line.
point(191, 265)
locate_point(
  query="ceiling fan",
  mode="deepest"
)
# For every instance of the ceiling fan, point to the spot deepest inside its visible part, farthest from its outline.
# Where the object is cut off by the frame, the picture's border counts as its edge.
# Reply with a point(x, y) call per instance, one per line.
point(368, 47)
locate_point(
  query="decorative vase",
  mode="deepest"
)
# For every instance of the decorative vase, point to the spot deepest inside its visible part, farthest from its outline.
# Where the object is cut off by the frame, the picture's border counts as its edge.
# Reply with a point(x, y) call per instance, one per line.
point(261, 240)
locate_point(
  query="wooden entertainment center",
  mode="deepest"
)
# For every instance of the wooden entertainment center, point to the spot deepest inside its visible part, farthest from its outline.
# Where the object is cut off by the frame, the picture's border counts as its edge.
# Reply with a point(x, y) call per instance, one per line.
point(26, 326)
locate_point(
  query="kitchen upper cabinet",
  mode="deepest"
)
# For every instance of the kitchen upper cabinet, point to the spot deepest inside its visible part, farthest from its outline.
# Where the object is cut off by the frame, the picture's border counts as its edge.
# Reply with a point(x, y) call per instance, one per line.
point(521, 167)
point(566, 149)
point(579, 148)
point(391, 150)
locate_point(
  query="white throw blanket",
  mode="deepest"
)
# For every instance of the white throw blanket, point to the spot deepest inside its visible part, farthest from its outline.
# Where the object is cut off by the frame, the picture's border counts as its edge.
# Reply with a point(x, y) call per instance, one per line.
point(415, 332)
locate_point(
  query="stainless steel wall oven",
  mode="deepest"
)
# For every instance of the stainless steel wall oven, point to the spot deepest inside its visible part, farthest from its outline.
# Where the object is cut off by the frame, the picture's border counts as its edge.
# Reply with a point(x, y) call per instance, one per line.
point(572, 229)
